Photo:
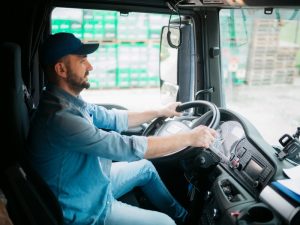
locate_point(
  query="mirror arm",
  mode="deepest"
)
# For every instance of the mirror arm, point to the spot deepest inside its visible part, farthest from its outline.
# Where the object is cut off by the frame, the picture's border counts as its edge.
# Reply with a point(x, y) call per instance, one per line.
point(204, 91)
point(174, 8)
point(170, 42)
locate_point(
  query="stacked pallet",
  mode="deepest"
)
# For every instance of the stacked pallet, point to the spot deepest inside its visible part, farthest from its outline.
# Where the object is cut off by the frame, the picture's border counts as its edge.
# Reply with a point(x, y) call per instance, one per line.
point(270, 61)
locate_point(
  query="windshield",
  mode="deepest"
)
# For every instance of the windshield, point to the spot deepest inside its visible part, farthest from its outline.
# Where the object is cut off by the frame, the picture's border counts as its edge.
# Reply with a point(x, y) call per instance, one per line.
point(260, 68)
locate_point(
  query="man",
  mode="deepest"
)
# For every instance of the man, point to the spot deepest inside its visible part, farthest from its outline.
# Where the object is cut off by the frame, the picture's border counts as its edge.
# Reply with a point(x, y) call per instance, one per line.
point(72, 150)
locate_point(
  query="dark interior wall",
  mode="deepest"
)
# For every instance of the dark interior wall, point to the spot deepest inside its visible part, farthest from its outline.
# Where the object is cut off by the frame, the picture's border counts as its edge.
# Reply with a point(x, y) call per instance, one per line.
point(22, 25)
point(14, 19)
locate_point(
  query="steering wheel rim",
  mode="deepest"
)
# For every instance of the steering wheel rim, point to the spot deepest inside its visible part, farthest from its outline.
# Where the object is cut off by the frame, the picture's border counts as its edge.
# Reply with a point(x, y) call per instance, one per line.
point(215, 111)
point(187, 105)
point(215, 119)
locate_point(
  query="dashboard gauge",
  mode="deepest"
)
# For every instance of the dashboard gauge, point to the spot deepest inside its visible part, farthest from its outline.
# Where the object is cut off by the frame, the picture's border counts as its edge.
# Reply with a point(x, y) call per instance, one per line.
point(228, 135)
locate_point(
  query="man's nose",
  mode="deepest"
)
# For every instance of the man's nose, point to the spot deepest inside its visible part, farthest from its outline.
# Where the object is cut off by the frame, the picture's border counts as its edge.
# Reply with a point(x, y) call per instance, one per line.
point(89, 66)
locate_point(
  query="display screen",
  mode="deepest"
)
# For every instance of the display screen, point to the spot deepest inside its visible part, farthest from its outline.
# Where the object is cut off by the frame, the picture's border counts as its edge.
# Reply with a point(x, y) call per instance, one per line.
point(253, 169)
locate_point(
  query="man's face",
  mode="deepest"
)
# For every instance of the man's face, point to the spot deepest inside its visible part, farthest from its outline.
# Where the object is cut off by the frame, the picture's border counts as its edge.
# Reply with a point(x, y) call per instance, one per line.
point(78, 68)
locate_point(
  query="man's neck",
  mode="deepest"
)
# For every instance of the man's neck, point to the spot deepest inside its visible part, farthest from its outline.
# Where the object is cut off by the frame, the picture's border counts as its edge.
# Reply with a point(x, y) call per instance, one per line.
point(70, 90)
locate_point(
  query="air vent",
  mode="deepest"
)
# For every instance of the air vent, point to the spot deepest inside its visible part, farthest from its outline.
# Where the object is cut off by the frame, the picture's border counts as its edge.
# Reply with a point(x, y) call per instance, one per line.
point(207, 3)
point(213, 2)
point(202, 2)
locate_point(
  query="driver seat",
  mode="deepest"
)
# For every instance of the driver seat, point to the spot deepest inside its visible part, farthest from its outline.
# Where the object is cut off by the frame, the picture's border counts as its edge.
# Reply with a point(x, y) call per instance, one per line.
point(30, 200)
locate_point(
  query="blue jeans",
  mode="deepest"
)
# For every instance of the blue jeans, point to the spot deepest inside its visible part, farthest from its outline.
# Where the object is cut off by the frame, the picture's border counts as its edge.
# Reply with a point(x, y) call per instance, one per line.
point(124, 177)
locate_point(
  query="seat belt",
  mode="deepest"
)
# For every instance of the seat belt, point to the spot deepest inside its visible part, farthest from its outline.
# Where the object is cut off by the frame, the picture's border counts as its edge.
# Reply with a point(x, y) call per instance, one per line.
point(28, 101)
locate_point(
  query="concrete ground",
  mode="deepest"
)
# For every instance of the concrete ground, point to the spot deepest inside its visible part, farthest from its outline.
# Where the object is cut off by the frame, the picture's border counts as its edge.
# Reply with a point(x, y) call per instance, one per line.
point(275, 110)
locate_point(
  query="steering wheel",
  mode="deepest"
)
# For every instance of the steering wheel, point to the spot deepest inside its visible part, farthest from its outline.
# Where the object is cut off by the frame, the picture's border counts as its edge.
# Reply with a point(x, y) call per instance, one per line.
point(165, 126)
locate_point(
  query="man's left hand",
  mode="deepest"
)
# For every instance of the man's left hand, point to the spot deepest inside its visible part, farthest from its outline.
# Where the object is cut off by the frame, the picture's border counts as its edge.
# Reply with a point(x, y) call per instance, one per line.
point(169, 110)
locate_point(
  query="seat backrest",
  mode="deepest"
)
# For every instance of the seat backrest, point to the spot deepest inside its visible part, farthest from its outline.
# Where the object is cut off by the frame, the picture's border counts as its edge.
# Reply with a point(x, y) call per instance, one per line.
point(30, 200)
point(13, 108)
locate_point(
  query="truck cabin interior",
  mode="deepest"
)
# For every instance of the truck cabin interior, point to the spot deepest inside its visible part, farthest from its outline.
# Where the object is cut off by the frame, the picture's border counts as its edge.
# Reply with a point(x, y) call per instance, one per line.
point(26, 24)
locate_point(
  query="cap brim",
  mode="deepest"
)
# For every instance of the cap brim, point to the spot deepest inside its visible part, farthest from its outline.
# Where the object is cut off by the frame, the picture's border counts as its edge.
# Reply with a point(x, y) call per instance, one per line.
point(87, 48)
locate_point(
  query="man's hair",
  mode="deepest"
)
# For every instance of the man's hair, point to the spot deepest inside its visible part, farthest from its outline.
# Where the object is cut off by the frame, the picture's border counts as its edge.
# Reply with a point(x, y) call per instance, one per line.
point(50, 74)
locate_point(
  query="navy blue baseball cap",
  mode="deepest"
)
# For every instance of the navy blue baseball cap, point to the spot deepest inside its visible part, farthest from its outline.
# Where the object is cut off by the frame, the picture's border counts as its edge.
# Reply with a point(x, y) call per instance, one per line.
point(61, 44)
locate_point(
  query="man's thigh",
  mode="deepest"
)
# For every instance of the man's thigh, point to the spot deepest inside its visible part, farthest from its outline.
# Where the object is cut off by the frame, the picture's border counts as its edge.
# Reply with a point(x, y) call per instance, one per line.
point(122, 213)
point(127, 175)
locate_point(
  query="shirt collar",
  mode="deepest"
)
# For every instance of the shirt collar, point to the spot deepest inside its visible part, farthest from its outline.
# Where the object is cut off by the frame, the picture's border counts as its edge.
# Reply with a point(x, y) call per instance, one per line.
point(59, 92)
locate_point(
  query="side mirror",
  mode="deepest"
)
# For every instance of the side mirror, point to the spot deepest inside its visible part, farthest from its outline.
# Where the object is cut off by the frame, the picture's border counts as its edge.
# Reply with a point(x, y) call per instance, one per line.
point(168, 59)
point(168, 56)
point(170, 41)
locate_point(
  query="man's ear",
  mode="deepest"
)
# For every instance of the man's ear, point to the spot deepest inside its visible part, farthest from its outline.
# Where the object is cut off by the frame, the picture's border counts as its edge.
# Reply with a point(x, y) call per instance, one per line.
point(60, 69)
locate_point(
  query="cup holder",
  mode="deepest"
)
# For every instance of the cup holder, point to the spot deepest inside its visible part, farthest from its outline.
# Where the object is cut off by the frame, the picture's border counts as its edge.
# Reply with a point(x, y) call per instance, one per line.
point(258, 214)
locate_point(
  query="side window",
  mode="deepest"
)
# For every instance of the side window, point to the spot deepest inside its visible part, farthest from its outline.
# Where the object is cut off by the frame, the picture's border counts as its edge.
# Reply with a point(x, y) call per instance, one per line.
point(260, 68)
point(126, 65)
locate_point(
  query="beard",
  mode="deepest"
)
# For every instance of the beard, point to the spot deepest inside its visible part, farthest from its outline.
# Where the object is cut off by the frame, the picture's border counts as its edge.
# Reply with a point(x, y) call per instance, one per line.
point(78, 83)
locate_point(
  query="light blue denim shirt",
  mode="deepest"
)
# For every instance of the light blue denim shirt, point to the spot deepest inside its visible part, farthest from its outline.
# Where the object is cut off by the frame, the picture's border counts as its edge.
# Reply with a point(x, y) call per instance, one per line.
point(74, 156)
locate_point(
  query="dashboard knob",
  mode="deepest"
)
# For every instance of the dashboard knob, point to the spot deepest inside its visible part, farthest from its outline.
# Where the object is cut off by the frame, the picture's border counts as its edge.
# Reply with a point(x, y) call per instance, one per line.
point(239, 166)
point(255, 183)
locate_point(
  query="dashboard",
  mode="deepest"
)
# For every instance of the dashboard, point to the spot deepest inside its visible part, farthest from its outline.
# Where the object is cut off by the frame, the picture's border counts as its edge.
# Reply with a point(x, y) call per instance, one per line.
point(242, 191)
point(241, 158)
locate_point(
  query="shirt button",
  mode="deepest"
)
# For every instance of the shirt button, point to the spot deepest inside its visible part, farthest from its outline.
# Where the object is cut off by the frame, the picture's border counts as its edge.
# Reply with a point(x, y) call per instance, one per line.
point(108, 202)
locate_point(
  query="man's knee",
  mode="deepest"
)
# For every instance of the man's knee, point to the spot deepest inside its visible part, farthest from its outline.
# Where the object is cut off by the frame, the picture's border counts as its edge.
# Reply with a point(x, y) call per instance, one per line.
point(148, 166)
point(147, 171)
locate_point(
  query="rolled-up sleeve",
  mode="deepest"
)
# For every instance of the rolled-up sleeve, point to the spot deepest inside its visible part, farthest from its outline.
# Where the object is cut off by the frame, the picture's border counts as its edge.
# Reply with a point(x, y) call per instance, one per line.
point(140, 146)
point(112, 119)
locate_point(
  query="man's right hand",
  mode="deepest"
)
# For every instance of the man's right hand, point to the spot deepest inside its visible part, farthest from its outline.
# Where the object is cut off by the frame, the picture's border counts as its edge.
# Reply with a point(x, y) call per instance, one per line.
point(200, 136)
point(203, 136)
